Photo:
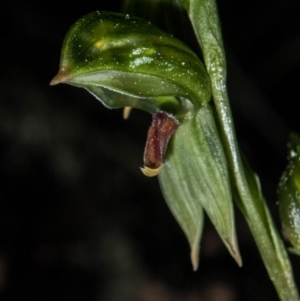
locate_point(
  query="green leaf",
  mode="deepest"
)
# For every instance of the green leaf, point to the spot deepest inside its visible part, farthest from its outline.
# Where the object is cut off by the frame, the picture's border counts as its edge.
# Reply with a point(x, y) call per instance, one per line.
point(128, 55)
point(289, 195)
point(196, 176)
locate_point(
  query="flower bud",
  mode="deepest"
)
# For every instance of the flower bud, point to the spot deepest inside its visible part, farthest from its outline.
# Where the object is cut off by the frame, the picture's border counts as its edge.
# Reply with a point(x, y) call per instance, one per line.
point(289, 195)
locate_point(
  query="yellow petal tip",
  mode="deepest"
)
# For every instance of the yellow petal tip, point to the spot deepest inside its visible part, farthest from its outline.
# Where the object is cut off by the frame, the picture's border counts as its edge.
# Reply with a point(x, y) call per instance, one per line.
point(239, 260)
point(234, 251)
point(151, 172)
point(195, 249)
point(195, 259)
point(126, 112)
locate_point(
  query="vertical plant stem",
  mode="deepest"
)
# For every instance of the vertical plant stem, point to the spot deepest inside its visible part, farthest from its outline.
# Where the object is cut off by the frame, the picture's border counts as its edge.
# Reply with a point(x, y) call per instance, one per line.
point(205, 20)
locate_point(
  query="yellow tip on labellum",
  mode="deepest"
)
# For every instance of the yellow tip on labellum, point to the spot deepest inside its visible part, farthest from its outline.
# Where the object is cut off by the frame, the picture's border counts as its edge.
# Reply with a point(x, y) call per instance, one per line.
point(151, 172)
point(126, 112)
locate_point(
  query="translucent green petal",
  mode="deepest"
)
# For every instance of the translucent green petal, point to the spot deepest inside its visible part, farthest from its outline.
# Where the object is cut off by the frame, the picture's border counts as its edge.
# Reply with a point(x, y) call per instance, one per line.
point(184, 204)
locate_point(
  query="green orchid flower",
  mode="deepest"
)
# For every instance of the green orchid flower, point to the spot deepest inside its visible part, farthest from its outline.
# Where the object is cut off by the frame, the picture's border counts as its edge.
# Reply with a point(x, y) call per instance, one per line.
point(127, 62)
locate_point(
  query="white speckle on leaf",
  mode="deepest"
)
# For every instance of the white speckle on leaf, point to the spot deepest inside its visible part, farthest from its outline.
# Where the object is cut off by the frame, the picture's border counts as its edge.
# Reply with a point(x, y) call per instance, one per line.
point(140, 61)
point(293, 154)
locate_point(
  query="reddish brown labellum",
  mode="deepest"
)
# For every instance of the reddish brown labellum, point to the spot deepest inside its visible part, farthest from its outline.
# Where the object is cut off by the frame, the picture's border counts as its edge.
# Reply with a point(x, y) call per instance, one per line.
point(162, 128)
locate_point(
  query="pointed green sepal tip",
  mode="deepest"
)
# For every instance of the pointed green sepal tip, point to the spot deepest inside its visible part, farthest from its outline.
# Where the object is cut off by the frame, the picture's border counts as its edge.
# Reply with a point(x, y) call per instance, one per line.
point(184, 206)
point(126, 61)
point(195, 177)
point(60, 77)
point(289, 195)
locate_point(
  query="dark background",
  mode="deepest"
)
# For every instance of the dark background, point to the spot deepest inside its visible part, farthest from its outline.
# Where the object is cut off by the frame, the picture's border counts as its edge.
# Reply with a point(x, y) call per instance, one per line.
point(78, 220)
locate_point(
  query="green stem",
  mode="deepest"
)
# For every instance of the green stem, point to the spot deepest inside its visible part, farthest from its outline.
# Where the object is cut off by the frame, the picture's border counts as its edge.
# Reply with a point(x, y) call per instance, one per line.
point(205, 20)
